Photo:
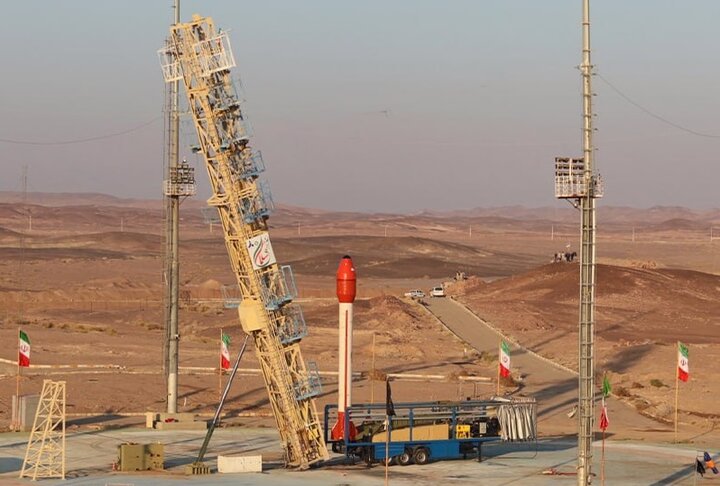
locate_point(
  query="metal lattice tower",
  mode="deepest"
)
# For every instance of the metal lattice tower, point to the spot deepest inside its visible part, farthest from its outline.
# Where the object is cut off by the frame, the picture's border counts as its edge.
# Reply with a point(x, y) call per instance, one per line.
point(575, 179)
point(202, 58)
point(45, 453)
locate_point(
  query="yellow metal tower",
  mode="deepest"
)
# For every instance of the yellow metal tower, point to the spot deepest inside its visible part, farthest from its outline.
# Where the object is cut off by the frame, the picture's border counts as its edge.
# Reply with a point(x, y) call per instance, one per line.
point(45, 453)
point(202, 58)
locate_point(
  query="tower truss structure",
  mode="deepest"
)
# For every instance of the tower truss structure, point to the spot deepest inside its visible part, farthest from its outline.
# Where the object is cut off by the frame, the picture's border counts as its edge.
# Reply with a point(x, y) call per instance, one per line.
point(201, 57)
point(45, 453)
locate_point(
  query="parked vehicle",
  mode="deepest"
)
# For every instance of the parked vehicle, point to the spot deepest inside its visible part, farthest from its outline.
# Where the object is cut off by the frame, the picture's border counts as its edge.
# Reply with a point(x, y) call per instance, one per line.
point(437, 292)
point(420, 432)
point(415, 294)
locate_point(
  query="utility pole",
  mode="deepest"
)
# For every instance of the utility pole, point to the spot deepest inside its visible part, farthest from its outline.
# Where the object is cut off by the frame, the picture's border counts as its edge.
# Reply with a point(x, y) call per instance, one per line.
point(577, 182)
point(21, 279)
point(172, 225)
point(25, 196)
point(586, 405)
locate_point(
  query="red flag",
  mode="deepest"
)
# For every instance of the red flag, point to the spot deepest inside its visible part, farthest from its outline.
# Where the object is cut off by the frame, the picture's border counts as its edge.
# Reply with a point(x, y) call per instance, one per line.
point(604, 420)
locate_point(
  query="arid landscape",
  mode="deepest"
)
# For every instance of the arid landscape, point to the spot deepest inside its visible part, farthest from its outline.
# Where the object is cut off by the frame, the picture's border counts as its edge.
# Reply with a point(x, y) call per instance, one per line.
point(82, 275)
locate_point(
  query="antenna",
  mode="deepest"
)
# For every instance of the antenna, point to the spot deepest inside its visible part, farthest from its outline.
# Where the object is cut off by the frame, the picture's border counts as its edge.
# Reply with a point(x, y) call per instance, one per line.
point(577, 182)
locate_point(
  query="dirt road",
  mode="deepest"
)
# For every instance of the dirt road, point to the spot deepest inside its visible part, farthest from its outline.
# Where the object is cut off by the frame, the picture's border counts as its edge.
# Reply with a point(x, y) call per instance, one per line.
point(554, 388)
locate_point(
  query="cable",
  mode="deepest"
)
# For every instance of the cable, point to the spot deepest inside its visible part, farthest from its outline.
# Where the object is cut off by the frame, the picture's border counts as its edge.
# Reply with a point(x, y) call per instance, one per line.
point(82, 140)
point(650, 113)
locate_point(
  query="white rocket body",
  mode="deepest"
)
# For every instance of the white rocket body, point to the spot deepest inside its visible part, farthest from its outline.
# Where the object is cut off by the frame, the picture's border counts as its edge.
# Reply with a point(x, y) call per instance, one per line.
point(344, 429)
point(345, 324)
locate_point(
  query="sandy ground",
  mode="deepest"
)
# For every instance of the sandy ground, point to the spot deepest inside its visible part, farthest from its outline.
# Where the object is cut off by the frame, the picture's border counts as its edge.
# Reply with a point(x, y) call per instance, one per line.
point(86, 284)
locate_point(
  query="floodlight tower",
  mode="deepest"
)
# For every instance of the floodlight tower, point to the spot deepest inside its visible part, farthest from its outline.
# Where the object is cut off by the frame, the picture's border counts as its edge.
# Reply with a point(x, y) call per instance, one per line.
point(576, 180)
point(179, 183)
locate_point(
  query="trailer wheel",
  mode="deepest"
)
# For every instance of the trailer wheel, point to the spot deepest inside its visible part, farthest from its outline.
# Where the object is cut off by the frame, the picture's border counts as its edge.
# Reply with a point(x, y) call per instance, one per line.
point(390, 461)
point(421, 456)
point(405, 458)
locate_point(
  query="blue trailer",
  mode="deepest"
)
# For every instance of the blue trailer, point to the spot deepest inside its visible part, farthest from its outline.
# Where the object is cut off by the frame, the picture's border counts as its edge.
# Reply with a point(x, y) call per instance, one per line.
point(423, 431)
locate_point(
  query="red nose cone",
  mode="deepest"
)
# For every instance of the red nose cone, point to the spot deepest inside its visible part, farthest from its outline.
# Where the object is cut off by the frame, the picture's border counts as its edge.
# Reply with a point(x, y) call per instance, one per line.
point(346, 279)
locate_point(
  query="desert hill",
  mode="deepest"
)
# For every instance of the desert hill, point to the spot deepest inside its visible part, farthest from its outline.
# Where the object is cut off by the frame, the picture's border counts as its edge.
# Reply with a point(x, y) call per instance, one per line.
point(663, 305)
point(640, 315)
point(92, 267)
point(391, 257)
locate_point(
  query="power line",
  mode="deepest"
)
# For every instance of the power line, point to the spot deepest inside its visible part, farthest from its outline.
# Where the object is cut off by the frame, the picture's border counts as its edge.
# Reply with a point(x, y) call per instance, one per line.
point(650, 113)
point(82, 140)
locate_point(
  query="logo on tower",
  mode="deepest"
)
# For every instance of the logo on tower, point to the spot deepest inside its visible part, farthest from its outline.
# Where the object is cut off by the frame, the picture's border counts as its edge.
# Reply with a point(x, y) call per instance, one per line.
point(260, 251)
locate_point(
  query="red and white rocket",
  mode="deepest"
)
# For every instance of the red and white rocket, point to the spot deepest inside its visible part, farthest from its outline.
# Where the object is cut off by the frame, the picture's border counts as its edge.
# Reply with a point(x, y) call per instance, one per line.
point(346, 286)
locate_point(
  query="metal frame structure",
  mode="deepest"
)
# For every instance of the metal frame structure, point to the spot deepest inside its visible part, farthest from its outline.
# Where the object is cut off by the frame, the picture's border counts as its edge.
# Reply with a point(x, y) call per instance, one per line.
point(516, 419)
point(576, 179)
point(45, 453)
point(202, 55)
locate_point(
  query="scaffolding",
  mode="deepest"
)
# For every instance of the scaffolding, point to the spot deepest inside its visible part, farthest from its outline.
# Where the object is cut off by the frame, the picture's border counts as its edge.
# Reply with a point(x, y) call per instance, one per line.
point(202, 58)
point(45, 453)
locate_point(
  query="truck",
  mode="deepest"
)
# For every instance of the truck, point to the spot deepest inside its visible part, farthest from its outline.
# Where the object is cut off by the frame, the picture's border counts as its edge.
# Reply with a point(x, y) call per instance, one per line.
point(421, 432)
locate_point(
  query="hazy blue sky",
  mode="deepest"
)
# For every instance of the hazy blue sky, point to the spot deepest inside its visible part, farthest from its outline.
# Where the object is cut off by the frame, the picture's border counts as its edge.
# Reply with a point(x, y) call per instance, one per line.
point(480, 97)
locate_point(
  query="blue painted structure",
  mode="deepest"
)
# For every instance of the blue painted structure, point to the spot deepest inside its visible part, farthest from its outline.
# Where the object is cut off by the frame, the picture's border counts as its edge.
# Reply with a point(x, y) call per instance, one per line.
point(478, 415)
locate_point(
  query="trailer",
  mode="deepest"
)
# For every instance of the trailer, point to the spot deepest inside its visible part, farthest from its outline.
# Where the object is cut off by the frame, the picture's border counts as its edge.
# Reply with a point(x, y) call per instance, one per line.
point(421, 432)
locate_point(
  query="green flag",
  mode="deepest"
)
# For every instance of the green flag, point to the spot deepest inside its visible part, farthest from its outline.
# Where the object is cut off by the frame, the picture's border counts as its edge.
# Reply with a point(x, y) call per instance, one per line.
point(606, 388)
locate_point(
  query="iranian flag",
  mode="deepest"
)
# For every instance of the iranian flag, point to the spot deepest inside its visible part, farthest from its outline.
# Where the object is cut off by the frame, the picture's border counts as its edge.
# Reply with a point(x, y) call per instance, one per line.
point(24, 350)
point(504, 359)
point(224, 353)
point(683, 363)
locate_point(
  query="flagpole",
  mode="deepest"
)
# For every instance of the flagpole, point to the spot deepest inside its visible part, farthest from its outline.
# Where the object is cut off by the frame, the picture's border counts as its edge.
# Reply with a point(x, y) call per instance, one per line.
point(220, 368)
point(16, 425)
point(498, 369)
point(389, 411)
point(372, 373)
point(677, 389)
point(387, 446)
point(602, 455)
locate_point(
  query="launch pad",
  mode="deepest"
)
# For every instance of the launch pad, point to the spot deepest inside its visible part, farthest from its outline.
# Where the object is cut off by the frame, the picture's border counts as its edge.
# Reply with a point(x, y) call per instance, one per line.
point(91, 453)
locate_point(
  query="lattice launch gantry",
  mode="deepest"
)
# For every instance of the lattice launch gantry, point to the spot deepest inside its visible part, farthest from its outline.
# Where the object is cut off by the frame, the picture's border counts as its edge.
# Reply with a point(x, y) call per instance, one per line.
point(201, 57)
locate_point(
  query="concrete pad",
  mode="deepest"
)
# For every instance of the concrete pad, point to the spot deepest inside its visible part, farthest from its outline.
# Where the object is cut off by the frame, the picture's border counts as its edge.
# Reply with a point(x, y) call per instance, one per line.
point(239, 464)
point(90, 453)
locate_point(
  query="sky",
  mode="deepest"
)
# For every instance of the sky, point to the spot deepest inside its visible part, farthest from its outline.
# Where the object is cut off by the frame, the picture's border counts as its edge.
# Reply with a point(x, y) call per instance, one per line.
point(379, 105)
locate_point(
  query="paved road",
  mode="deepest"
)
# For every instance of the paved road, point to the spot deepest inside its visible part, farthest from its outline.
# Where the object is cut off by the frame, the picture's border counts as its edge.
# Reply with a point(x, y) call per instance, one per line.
point(554, 388)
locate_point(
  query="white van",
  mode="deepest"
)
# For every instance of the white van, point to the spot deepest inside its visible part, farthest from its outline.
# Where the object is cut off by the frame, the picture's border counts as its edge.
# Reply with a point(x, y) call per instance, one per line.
point(415, 294)
point(437, 292)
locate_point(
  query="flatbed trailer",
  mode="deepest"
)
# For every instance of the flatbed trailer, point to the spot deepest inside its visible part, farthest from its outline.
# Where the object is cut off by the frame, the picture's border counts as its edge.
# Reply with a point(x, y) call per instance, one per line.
point(423, 431)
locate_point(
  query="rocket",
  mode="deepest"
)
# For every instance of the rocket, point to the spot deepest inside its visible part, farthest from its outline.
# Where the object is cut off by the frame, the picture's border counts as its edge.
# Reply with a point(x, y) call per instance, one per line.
point(346, 284)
